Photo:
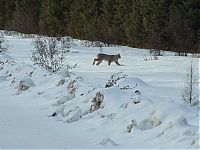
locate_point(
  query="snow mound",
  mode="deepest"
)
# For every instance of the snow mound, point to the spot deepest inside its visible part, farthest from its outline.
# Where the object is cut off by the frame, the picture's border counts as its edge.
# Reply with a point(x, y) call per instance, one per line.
point(150, 122)
point(62, 100)
point(124, 82)
point(6, 58)
point(132, 82)
point(107, 142)
point(72, 115)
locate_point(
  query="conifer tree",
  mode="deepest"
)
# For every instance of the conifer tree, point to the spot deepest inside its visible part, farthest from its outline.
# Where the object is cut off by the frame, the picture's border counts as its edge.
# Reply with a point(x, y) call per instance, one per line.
point(66, 14)
point(76, 24)
point(7, 8)
point(159, 24)
point(26, 16)
point(93, 24)
point(121, 19)
point(52, 17)
point(134, 27)
point(155, 16)
point(2, 13)
point(109, 20)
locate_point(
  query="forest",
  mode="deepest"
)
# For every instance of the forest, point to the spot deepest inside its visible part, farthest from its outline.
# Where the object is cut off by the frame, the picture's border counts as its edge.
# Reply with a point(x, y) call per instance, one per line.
point(172, 25)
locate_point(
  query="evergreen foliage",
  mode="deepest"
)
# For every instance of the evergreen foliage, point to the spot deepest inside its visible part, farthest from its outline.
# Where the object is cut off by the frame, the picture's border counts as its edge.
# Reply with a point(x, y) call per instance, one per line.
point(154, 24)
point(7, 8)
point(25, 17)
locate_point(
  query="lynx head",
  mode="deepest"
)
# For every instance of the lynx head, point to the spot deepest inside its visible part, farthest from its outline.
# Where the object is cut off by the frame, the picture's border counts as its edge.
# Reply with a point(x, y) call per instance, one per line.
point(119, 56)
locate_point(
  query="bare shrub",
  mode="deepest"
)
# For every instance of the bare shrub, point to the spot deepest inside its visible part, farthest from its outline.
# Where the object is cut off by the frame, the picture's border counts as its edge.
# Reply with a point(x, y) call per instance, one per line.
point(47, 54)
point(131, 125)
point(18, 34)
point(97, 101)
point(97, 44)
point(191, 89)
point(3, 44)
point(66, 44)
point(181, 54)
point(156, 52)
point(196, 55)
point(150, 58)
point(61, 82)
point(114, 78)
point(66, 72)
point(72, 87)
point(25, 84)
point(1, 65)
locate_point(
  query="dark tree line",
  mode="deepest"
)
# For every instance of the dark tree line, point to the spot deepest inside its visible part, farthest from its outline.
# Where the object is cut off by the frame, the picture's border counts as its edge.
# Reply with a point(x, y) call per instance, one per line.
point(155, 24)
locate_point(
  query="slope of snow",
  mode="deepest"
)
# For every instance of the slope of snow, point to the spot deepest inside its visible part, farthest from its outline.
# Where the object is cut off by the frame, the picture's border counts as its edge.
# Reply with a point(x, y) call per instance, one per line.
point(53, 115)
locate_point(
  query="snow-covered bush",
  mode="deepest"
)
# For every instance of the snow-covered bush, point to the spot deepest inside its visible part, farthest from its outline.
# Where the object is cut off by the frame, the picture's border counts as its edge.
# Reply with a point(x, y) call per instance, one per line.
point(114, 78)
point(25, 84)
point(196, 55)
point(13, 82)
point(93, 44)
point(71, 89)
point(47, 54)
point(156, 52)
point(181, 54)
point(66, 71)
point(1, 65)
point(131, 125)
point(97, 44)
point(61, 82)
point(3, 44)
point(137, 98)
point(66, 44)
point(150, 58)
point(97, 101)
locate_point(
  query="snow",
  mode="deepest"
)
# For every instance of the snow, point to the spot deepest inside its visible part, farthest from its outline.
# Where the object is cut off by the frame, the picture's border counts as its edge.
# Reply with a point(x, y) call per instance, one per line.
point(55, 111)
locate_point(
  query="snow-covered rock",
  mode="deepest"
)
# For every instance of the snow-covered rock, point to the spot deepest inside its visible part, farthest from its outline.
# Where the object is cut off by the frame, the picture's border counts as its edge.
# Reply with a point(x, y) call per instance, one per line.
point(25, 84)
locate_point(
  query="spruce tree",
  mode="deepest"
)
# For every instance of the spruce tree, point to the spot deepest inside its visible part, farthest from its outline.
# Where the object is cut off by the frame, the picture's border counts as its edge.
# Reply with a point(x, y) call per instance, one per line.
point(76, 24)
point(155, 17)
point(93, 20)
point(26, 16)
point(7, 8)
point(134, 28)
point(52, 17)
point(121, 19)
point(2, 13)
point(109, 20)
point(66, 4)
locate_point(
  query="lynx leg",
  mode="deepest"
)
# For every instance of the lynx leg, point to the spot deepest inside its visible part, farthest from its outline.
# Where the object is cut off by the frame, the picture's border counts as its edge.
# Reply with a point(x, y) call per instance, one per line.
point(117, 63)
point(94, 61)
point(99, 62)
point(109, 62)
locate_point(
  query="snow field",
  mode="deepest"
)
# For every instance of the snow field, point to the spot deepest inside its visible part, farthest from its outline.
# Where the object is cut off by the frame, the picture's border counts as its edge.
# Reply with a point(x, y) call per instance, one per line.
point(156, 118)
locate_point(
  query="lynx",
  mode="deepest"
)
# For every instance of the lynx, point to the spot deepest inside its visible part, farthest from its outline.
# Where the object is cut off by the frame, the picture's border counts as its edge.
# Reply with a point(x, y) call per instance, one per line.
point(108, 58)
